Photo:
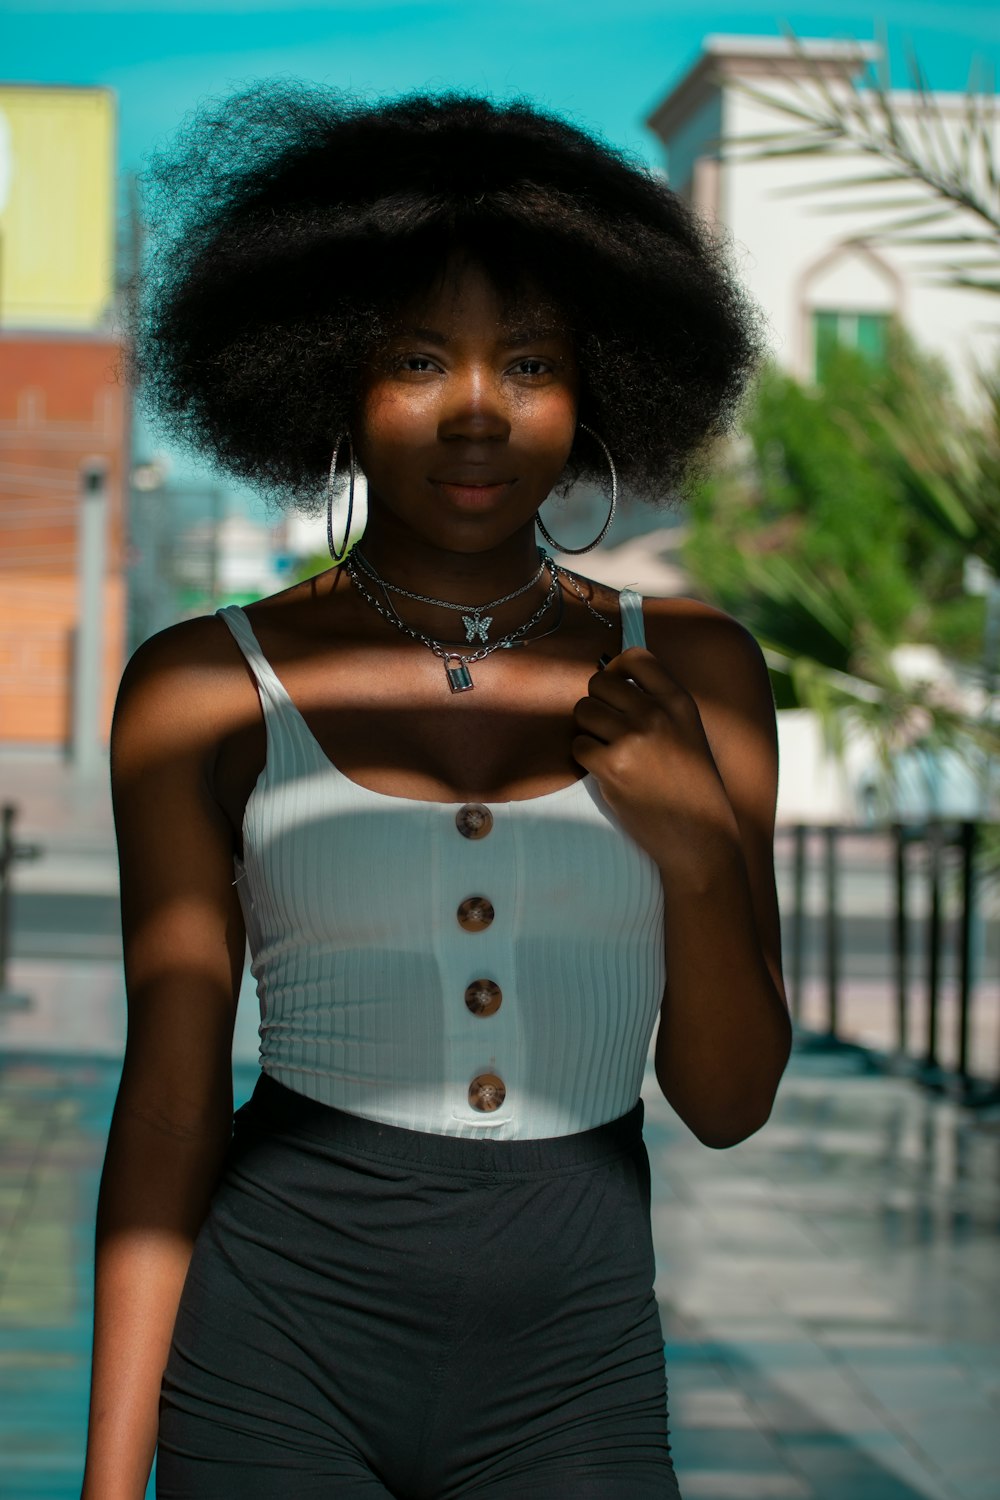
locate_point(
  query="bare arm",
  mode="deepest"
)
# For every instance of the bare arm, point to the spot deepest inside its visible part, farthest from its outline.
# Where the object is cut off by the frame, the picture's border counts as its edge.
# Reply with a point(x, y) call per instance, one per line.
point(683, 740)
point(184, 941)
point(725, 1035)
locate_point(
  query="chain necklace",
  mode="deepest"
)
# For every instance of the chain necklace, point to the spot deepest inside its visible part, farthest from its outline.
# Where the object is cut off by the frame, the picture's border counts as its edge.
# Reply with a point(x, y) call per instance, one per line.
point(506, 645)
point(456, 663)
point(475, 624)
point(578, 590)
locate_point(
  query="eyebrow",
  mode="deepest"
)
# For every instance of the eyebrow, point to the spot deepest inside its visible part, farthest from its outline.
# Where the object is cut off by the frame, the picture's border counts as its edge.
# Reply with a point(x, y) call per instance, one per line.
point(427, 335)
point(511, 340)
point(533, 333)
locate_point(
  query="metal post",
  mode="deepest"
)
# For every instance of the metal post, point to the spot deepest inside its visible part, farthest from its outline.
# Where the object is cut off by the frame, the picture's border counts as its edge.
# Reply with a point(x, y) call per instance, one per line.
point(87, 664)
point(832, 930)
point(933, 940)
point(10, 850)
point(7, 817)
point(967, 844)
point(901, 935)
point(991, 671)
point(215, 506)
point(798, 918)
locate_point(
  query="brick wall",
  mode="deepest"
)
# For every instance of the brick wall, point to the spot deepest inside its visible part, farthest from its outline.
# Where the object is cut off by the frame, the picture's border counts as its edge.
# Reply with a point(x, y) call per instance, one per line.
point(61, 403)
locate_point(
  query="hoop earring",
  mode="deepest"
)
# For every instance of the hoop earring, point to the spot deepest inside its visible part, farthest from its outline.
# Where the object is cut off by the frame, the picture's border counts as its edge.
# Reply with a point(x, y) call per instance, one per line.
point(331, 485)
point(611, 513)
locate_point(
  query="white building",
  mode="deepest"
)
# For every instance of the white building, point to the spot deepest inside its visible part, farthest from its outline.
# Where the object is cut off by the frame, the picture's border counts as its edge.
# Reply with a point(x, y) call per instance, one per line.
point(804, 259)
point(807, 266)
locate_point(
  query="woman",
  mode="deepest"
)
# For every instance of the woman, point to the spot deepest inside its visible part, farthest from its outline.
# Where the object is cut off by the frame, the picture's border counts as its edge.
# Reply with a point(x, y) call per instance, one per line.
point(487, 821)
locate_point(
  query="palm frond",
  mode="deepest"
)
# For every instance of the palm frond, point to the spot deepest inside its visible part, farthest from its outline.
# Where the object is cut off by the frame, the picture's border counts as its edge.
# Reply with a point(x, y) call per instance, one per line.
point(958, 239)
point(865, 179)
point(855, 115)
point(971, 283)
point(786, 107)
point(891, 226)
point(930, 123)
point(985, 137)
point(792, 148)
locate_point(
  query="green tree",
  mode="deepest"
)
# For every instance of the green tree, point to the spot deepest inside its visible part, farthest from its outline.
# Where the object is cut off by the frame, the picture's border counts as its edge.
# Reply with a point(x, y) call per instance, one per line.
point(826, 532)
point(919, 491)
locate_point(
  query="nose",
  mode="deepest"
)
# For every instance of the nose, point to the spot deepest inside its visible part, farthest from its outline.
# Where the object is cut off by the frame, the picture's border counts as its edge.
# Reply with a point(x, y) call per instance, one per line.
point(473, 408)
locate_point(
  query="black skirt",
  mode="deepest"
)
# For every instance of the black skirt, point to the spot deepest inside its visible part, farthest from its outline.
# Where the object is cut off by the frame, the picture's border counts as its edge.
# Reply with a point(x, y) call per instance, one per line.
point(372, 1311)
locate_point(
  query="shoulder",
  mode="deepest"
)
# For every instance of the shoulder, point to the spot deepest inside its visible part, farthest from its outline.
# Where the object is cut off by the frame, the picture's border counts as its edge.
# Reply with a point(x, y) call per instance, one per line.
point(714, 657)
point(179, 687)
point(189, 656)
point(712, 639)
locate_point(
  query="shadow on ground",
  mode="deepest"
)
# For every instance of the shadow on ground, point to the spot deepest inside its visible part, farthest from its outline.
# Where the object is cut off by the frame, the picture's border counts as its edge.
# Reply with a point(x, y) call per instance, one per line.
point(828, 1288)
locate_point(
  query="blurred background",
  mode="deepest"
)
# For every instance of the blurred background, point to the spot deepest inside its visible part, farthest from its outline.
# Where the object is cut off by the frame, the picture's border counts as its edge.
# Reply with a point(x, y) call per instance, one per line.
point(829, 1288)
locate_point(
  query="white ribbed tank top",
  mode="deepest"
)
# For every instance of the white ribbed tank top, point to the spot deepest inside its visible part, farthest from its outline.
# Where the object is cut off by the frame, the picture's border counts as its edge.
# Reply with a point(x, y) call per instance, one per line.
point(362, 967)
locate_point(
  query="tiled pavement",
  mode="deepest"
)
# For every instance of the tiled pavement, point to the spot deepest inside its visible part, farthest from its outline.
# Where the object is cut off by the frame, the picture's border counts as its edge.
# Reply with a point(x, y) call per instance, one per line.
point(828, 1288)
point(829, 1295)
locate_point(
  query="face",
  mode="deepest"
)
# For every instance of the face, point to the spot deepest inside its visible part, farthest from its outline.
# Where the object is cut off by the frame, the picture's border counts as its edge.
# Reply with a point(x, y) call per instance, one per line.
point(468, 418)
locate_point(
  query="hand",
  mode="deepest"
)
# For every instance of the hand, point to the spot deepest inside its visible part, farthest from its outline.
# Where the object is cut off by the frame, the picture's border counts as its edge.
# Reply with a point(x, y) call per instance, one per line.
point(640, 733)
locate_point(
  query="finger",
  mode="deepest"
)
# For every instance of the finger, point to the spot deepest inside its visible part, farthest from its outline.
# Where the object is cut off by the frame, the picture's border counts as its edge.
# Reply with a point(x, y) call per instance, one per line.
point(643, 668)
point(586, 751)
point(610, 688)
point(599, 719)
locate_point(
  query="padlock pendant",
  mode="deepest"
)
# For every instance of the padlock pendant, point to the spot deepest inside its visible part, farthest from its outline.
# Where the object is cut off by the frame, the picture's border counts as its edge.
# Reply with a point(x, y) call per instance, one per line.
point(459, 676)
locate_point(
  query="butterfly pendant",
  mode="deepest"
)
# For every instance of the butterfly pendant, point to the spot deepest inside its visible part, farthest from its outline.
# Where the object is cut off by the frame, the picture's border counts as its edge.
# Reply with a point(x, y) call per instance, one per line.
point(477, 625)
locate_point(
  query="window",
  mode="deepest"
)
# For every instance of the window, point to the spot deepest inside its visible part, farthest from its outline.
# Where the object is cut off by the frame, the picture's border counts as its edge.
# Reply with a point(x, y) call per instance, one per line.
point(865, 332)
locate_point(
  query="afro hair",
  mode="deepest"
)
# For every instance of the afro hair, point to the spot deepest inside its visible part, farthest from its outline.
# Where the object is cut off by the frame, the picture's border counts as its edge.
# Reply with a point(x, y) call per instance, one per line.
point(290, 224)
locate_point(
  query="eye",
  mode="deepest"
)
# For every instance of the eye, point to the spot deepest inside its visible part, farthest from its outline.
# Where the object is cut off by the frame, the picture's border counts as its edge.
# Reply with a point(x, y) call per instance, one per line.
point(418, 364)
point(532, 365)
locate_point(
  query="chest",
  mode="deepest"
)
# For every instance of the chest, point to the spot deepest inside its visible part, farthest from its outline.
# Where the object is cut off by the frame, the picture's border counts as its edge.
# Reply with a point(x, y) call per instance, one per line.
point(340, 866)
point(393, 727)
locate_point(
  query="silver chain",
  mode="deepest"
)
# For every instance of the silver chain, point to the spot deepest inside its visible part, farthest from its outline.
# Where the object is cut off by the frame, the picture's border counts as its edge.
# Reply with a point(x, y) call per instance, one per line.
point(476, 609)
point(578, 590)
point(440, 650)
point(455, 660)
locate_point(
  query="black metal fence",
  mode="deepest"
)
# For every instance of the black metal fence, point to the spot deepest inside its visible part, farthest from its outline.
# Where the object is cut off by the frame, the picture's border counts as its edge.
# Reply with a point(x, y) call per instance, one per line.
point(950, 871)
point(926, 1014)
point(11, 850)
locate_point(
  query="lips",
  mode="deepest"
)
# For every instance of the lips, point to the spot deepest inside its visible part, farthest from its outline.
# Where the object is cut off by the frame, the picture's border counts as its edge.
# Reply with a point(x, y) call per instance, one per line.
point(472, 494)
point(471, 478)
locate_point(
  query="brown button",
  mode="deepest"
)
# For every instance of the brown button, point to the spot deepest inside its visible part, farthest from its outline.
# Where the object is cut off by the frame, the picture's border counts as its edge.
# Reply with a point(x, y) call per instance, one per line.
point(487, 1093)
point(475, 913)
point(473, 821)
point(483, 997)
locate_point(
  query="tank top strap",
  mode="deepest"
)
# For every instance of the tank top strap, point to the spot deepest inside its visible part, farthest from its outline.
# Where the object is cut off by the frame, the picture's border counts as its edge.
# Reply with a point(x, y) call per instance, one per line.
point(633, 627)
point(272, 693)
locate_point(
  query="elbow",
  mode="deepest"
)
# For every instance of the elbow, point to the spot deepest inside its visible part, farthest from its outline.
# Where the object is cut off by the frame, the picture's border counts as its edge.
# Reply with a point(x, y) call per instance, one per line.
point(720, 1136)
point(726, 1122)
point(720, 1128)
point(746, 1114)
point(725, 1108)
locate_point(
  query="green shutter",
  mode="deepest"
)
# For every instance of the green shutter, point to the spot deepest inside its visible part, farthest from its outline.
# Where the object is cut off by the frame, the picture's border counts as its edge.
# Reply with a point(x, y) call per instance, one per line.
point(825, 340)
point(865, 332)
point(871, 335)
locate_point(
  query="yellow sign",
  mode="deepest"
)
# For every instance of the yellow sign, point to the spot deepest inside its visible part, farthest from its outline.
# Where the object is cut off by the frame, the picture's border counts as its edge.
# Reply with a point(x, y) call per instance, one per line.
point(57, 208)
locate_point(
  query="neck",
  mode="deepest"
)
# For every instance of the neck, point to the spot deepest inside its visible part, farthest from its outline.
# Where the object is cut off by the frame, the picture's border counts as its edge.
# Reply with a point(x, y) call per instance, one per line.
point(444, 577)
point(457, 577)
